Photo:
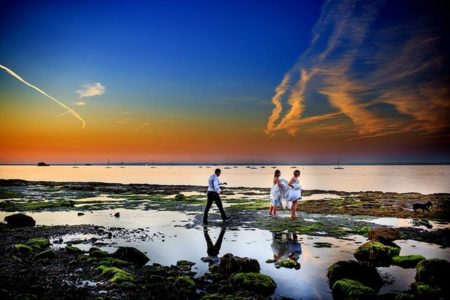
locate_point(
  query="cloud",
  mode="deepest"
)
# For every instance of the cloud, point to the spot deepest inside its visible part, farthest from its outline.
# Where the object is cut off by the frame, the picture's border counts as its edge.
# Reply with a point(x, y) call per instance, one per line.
point(91, 90)
point(386, 78)
point(80, 103)
point(68, 109)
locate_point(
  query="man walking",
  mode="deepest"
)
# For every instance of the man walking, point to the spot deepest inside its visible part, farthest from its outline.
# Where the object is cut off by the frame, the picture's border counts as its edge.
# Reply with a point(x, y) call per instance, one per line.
point(214, 196)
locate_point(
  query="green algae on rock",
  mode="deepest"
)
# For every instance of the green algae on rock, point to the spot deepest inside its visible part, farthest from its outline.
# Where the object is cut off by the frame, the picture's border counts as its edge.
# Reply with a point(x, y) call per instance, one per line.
point(116, 275)
point(376, 252)
point(433, 271)
point(352, 289)
point(255, 282)
point(73, 249)
point(22, 248)
point(407, 261)
point(356, 270)
point(38, 243)
point(50, 253)
point(286, 263)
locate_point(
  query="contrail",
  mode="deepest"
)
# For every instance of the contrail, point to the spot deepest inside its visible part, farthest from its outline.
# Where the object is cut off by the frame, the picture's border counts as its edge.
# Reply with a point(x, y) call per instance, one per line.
point(69, 110)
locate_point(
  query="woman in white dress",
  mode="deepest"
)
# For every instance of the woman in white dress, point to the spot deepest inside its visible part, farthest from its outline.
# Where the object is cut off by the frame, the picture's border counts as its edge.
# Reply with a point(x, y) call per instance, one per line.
point(295, 193)
point(275, 193)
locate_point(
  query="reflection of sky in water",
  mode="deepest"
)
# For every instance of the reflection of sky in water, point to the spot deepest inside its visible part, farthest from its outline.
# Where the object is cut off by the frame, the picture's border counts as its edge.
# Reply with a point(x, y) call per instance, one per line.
point(399, 222)
point(173, 243)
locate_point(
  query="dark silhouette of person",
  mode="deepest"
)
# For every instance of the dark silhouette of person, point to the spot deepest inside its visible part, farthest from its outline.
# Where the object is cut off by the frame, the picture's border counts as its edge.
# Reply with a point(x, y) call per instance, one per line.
point(213, 249)
point(214, 196)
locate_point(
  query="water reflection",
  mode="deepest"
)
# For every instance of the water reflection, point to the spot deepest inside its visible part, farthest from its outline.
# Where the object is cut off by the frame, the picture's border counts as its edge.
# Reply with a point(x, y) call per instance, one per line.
point(286, 246)
point(213, 249)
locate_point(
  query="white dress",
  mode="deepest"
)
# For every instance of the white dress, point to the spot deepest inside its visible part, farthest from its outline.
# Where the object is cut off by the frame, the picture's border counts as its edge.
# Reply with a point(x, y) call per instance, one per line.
point(295, 192)
point(279, 194)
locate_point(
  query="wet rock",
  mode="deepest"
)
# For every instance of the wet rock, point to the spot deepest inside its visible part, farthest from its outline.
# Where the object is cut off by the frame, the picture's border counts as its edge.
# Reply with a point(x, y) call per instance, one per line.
point(95, 252)
point(230, 264)
point(254, 282)
point(180, 197)
point(185, 264)
point(426, 291)
point(38, 243)
point(22, 248)
point(376, 253)
point(397, 296)
point(352, 289)
point(73, 249)
point(132, 255)
point(116, 275)
point(117, 214)
point(361, 271)
point(322, 245)
point(287, 263)
point(434, 272)
point(80, 214)
point(407, 261)
point(185, 282)
point(20, 220)
point(50, 253)
point(384, 235)
point(25, 297)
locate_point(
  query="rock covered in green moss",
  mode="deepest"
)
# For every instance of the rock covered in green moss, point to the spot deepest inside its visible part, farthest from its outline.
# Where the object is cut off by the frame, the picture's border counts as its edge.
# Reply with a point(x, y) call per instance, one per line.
point(376, 253)
point(185, 282)
point(361, 271)
point(116, 275)
point(22, 248)
point(132, 255)
point(255, 282)
point(185, 264)
point(38, 243)
point(180, 197)
point(270, 261)
point(352, 290)
point(286, 263)
point(407, 261)
point(426, 291)
point(97, 253)
point(230, 264)
point(50, 253)
point(111, 262)
point(435, 272)
point(73, 249)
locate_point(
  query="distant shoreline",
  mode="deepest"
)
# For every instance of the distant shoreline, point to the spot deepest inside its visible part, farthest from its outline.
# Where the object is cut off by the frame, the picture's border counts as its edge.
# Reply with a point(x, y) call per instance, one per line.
point(235, 164)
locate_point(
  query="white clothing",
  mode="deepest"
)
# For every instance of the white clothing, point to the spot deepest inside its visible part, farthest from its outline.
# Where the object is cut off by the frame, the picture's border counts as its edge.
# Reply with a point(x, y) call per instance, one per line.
point(214, 184)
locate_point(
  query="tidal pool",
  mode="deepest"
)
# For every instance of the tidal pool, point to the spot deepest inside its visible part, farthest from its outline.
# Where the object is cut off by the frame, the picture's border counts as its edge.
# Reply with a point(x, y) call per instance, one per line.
point(168, 236)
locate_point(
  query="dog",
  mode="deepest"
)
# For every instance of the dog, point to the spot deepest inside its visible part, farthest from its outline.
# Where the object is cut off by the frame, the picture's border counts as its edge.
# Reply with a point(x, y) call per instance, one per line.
point(422, 206)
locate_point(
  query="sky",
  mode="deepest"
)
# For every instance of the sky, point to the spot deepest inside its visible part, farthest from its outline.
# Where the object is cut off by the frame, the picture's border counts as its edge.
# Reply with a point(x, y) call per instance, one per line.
point(224, 81)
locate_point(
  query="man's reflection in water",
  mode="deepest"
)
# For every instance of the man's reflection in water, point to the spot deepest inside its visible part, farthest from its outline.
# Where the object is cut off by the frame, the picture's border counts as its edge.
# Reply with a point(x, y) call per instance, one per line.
point(213, 249)
point(286, 246)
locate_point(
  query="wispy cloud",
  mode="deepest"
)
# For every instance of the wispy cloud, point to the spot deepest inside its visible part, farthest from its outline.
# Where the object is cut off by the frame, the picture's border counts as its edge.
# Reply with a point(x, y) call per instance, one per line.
point(68, 109)
point(80, 103)
point(358, 67)
point(91, 90)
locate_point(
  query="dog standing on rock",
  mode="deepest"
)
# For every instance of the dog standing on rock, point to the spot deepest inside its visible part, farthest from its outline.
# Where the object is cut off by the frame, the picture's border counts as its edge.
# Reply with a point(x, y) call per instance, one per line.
point(422, 206)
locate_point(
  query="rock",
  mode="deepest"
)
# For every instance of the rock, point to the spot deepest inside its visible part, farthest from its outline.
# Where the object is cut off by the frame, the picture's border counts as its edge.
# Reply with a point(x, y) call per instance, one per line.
point(20, 220)
point(322, 245)
point(50, 253)
point(26, 297)
point(230, 264)
point(21, 248)
point(352, 289)
point(185, 282)
point(38, 243)
point(270, 261)
point(397, 296)
point(80, 214)
point(287, 263)
point(434, 272)
point(117, 214)
point(255, 282)
point(95, 252)
point(132, 255)
point(384, 235)
point(426, 291)
point(361, 271)
point(116, 275)
point(180, 197)
point(376, 253)
point(4, 294)
point(73, 250)
point(185, 265)
point(407, 261)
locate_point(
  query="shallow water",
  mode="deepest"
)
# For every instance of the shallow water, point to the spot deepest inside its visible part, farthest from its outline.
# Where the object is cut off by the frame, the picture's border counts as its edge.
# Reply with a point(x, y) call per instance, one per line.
point(166, 239)
point(407, 178)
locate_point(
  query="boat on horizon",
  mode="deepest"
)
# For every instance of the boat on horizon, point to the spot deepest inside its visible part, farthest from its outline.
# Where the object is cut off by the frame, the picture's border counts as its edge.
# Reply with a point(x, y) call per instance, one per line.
point(42, 164)
point(339, 165)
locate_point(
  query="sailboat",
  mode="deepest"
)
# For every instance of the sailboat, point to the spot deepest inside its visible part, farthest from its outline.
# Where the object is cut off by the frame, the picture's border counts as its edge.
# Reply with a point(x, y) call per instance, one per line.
point(108, 166)
point(339, 165)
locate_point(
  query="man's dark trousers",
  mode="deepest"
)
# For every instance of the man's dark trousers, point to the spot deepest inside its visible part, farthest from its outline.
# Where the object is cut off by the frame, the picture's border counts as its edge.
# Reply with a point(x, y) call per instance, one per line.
point(213, 197)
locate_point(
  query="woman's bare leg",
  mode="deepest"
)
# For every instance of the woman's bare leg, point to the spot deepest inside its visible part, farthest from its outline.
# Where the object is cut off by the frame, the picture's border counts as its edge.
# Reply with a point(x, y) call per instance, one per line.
point(271, 210)
point(294, 209)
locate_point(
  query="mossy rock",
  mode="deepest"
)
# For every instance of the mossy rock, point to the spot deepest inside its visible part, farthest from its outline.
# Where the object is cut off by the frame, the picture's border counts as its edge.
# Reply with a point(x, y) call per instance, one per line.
point(270, 261)
point(426, 291)
point(356, 270)
point(50, 253)
point(185, 282)
point(255, 282)
point(407, 261)
point(286, 263)
point(73, 250)
point(111, 262)
point(38, 243)
point(352, 290)
point(127, 285)
point(116, 275)
point(376, 253)
point(22, 248)
point(435, 272)
point(217, 296)
point(97, 253)
point(180, 197)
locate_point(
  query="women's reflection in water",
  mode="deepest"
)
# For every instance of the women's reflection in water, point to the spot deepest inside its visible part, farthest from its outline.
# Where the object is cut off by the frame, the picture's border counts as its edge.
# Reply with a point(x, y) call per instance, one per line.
point(286, 246)
point(213, 249)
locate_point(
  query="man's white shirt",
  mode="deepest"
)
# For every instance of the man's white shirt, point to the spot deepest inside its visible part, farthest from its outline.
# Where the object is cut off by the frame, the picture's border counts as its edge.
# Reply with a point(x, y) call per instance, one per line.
point(214, 184)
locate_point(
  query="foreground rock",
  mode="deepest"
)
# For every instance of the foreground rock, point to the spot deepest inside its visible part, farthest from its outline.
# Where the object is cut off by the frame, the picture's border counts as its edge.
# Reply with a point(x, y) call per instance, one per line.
point(407, 261)
point(352, 289)
point(255, 282)
point(384, 235)
point(435, 272)
point(20, 220)
point(230, 264)
point(361, 271)
point(376, 253)
point(132, 255)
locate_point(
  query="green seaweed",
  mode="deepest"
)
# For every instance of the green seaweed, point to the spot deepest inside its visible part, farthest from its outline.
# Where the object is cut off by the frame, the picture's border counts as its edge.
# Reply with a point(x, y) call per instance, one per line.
point(116, 275)
point(186, 282)
point(73, 249)
point(352, 289)
point(38, 243)
point(22, 248)
point(407, 261)
point(255, 282)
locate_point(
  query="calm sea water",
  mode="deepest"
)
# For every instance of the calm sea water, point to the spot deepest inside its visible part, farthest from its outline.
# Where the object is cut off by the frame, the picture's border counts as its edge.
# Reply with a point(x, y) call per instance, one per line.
point(407, 178)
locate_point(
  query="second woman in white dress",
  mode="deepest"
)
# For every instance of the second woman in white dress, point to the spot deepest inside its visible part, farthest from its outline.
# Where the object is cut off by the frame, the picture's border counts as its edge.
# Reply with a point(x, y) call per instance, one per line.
point(295, 193)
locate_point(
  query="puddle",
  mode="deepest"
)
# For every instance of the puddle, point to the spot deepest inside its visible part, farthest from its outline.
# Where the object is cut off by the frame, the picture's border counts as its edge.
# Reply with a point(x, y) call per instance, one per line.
point(320, 197)
point(399, 222)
